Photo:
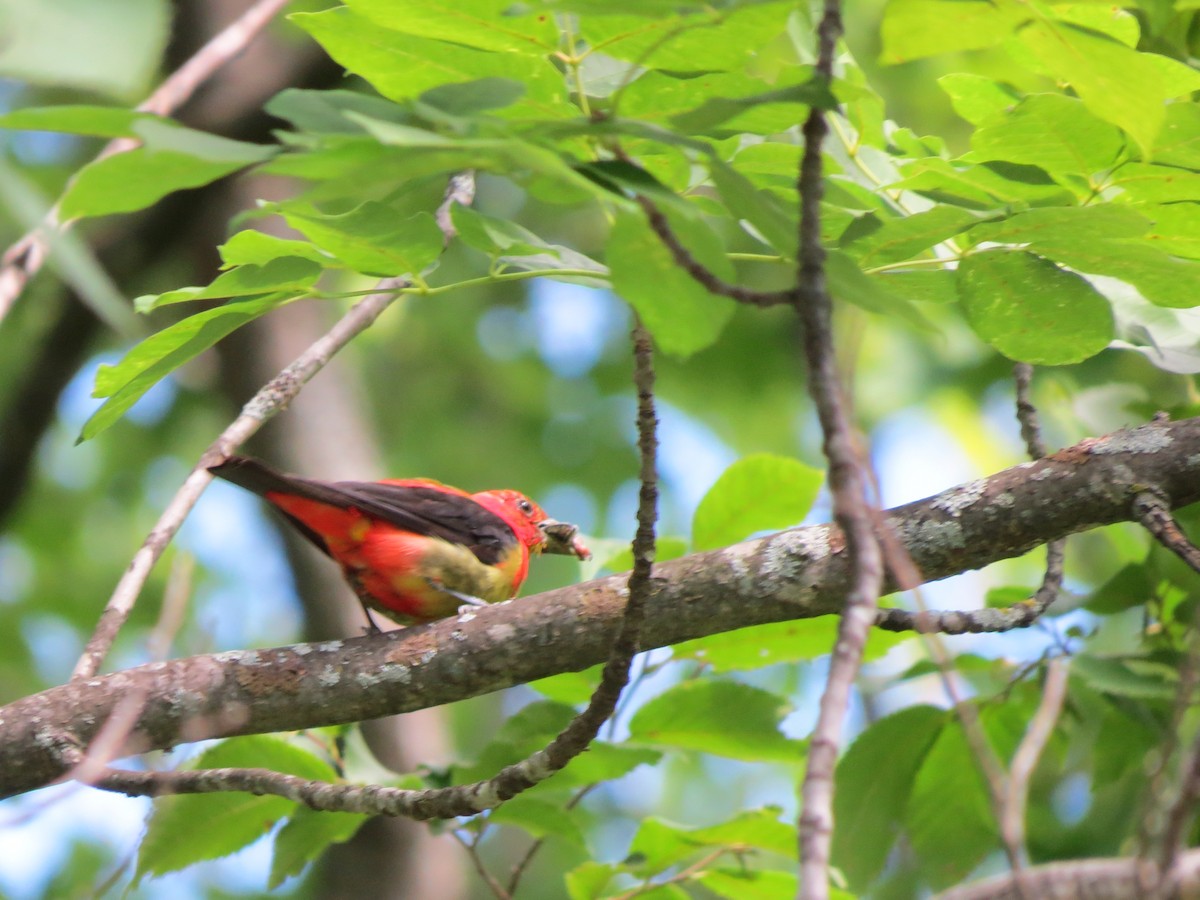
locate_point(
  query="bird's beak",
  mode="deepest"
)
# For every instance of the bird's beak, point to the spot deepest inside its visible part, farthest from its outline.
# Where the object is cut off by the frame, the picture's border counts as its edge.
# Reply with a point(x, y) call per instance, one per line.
point(563, 538)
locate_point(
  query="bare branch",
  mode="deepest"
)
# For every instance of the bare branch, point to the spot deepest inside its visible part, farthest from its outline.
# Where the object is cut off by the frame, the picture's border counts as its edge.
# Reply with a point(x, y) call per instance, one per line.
point(1024, 761)
point(848, 482)
point(25, 258)
point(1155, 515)
point(1127, 878)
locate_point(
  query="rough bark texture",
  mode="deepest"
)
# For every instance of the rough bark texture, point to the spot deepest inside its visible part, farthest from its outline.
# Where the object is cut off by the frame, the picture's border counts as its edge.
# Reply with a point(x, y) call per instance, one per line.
point(798, 573)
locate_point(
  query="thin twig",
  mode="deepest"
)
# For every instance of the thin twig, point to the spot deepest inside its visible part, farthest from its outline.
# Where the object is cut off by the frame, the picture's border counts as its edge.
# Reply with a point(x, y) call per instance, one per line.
point(25, 258)
point(273, 397)
point(1155, 515)
point(472, 848)
point(1024, 761)
point(848, 484)
point(699, 272)
point(518, 870)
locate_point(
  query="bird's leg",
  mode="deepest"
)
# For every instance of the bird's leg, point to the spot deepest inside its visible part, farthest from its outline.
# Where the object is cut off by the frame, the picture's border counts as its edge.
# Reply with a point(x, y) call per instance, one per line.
point(468, 601)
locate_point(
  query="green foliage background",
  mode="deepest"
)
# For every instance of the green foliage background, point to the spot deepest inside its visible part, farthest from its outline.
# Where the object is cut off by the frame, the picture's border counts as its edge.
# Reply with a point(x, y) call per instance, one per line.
point(1008, 181)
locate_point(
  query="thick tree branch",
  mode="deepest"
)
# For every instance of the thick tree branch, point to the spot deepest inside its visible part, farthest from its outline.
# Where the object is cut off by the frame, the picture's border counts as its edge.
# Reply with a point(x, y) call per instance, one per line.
point(795, 574)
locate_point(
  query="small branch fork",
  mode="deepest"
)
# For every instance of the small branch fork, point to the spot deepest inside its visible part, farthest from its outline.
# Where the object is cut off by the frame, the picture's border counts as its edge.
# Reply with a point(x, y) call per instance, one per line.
point(25, 258)
point(469, 799)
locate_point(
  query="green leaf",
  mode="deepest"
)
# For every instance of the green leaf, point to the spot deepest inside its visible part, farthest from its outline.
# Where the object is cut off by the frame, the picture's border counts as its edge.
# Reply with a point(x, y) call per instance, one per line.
point(695, 715)
point(161, 354)
point(767, 112)
point(1176, 228)
point(515, 247)
point(1031, 310)
point(774, 220)
point(539, 818)
point(113, 48)
point(869, 809)
point(1063, 224)
point(875, 242)
point(1160, 278)
point(588, 880)
point(681, 314)
point(98, 121)
point(484, 24)
point(289, 274)
point(948, 818)
point(757, 646)
point(976, 98)
point(1179, 142)
point(912, 29)
point(660, 844)
point(1056, 133)
point(305, 836)
point(708, 40)
point(749, 884)
point(170, 159)
point(921, 286)
point(759, 492)
point(258, 248)
point(1116, 83)
point(981, 187)
point(1131, 586)
point(222, 823)
point(1150, 183)
point(1122, 678)
point(569, 687)
point(401, 66)
point(372, 238)
point(849, 284)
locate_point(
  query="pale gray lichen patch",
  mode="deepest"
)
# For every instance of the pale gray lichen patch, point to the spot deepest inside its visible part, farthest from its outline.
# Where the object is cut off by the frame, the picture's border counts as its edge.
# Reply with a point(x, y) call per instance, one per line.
point(386, 674)
point(955, 501)
point(244, 657)
point(1004, 500)
point(328, 676)
point(1143, 440)
point(466, 614)
point(502, 633)
point(329, 646)
point(787, 554)
point(738, 559)
point(933, 534)
point(1043, 474)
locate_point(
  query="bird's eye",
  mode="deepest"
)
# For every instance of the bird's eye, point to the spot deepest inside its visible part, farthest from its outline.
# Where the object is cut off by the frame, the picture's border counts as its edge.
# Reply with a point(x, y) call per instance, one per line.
point(525, 506)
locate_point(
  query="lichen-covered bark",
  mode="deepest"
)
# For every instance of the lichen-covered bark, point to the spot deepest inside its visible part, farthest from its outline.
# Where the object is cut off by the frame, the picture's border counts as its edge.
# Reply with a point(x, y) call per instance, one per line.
point(798, 573)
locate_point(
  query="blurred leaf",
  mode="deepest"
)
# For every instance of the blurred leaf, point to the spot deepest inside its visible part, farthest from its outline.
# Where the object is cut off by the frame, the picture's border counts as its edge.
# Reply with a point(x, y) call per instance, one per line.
point(305, 836)
point(289, 274)
point(916, 28)
point(749, 884)
point(112, 48)
point(161, 354)
point(539, 819)
point(757, 646)
point(258, 248)
point(659, 844)
point(170, 159)
point(372, 238)
point(98, 121)
point(875, 243)
point(220, 824)
point(1121, 677)
point(681, 314)
point(869, 809)
point(760, 492)
point(695, 715)
point(485, 24)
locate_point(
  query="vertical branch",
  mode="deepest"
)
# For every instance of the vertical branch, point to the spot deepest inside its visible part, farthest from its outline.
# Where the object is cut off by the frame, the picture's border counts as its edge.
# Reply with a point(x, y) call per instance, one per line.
point(848, 483)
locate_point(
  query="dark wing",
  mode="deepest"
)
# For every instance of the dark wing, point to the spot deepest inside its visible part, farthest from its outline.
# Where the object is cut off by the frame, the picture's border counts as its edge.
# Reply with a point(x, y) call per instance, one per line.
point(423, 510)
point(427, 510)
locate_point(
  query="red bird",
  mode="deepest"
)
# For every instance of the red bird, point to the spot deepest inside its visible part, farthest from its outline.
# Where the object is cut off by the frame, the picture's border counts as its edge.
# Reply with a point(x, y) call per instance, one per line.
point(414, 549)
